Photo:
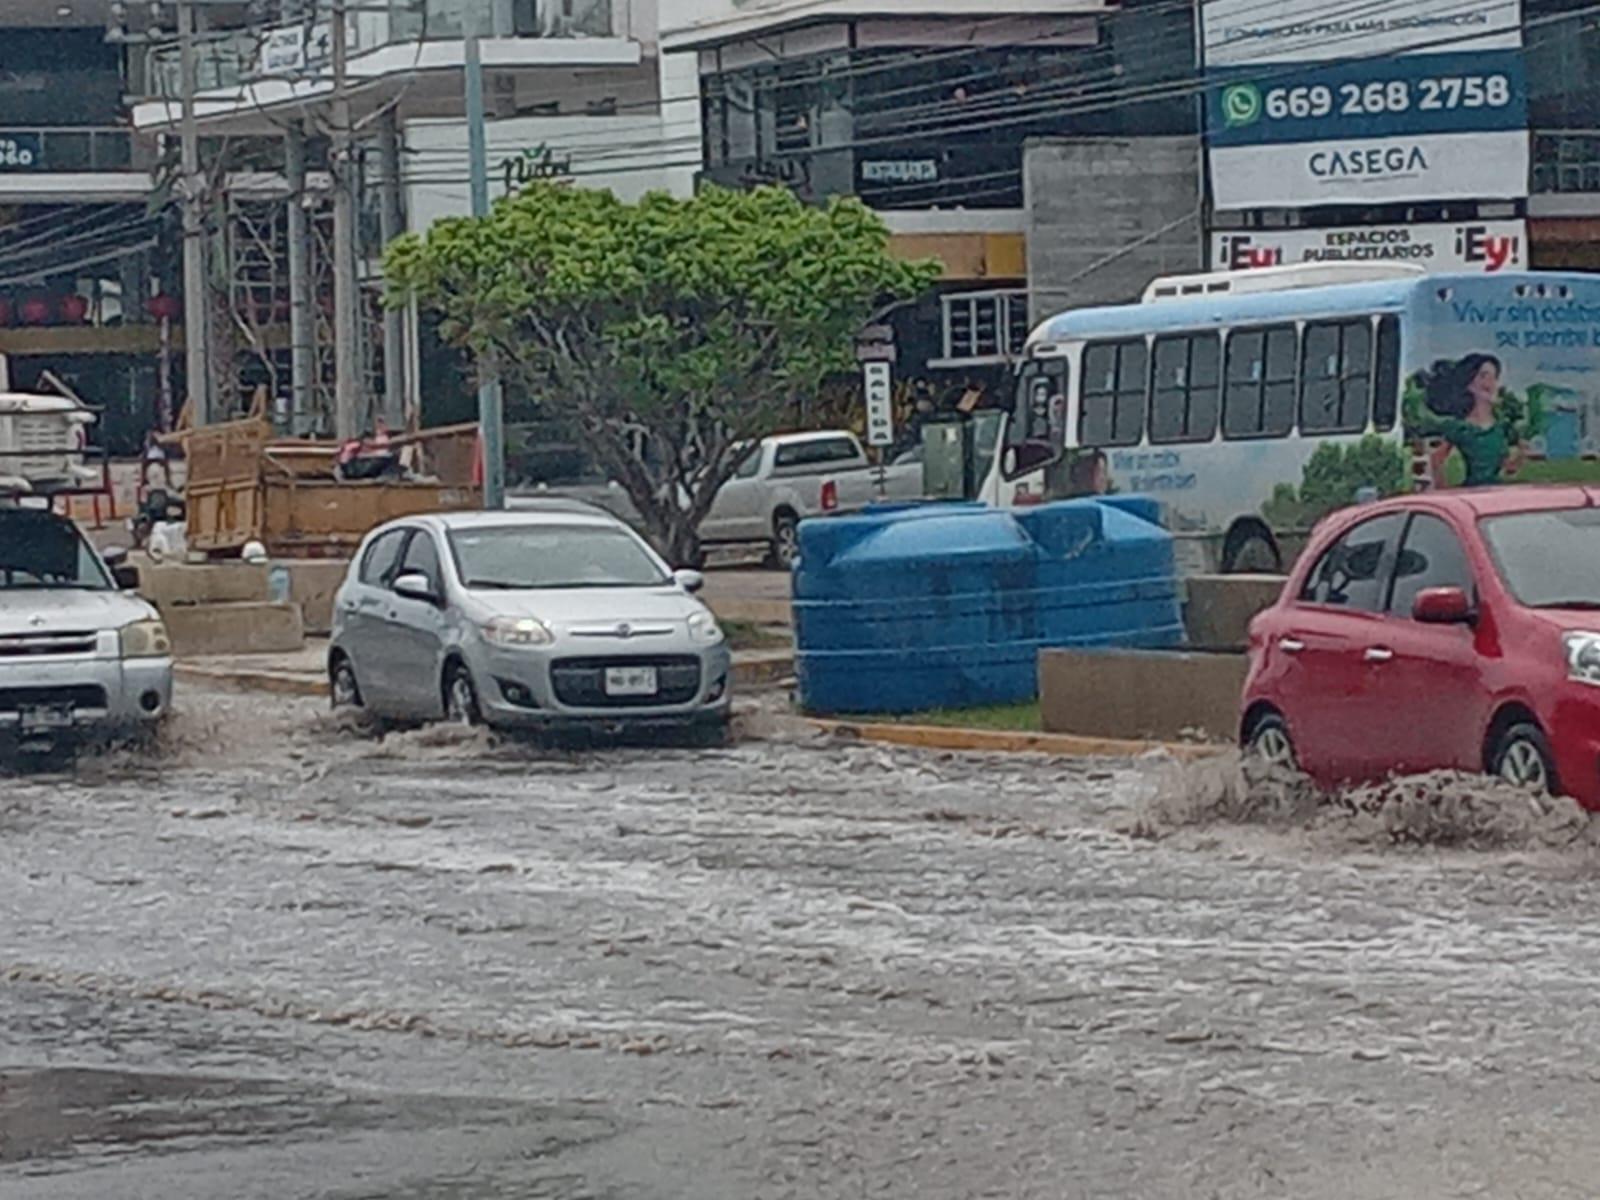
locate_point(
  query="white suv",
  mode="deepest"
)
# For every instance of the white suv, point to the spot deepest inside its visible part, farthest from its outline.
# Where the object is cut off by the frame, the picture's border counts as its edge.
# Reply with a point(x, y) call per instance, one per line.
point(77, 654)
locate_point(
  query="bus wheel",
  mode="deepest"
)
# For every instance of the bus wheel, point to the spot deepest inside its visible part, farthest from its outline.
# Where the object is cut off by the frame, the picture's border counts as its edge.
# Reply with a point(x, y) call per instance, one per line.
point(1250, 550)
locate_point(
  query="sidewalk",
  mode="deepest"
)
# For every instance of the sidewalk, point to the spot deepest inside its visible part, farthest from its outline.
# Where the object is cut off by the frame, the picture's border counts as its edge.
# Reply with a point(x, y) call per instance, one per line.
point(305, 672)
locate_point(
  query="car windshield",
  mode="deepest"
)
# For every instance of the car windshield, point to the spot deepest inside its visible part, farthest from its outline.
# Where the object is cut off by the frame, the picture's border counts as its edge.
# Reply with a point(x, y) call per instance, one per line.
point(553, 556)
point(39, 550)
point(1548, 559)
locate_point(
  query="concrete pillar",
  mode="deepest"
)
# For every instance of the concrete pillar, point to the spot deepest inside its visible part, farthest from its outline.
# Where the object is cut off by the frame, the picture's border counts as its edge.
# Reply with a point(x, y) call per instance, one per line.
point(302, 329)
point(392, 223)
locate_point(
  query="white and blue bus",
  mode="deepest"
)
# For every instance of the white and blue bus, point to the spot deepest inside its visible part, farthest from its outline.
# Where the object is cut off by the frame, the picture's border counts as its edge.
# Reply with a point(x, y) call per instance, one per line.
point(1252, 403)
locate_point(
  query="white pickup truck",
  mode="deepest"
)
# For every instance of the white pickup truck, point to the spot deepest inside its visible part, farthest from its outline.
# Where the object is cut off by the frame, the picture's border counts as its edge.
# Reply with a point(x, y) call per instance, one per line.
point(782, 482)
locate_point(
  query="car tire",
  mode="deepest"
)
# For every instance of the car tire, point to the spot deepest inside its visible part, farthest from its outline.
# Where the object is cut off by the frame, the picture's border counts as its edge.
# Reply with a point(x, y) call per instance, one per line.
point(1270, 744)
point(461, 696)
point(1250, 552)
point(711, 735)
point(1522, 758)
point(344, 691)
point(785, 550)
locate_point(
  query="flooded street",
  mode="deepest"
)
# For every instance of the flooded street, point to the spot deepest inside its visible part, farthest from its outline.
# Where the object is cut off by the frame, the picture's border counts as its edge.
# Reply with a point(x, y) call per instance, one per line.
point(317, 964)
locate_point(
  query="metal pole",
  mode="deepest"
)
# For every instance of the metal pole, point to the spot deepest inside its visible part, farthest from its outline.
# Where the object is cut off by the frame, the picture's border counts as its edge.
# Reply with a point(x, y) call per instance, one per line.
point(347, 415)
point(302, 356)
point(196, 331)
point(491, 408)
point(392, 225)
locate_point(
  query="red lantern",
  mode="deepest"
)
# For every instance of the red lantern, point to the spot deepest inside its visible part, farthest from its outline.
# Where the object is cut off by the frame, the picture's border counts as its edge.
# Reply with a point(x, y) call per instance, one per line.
point(164, 307)
point(74, 309)
point(35, 311)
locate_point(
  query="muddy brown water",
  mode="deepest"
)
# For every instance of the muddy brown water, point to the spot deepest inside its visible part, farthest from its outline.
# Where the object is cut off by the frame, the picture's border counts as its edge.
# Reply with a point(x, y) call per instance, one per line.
point(281, 956)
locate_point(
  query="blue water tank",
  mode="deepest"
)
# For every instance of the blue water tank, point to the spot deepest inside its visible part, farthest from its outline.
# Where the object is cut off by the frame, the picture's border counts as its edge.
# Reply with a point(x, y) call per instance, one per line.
point(948, 605)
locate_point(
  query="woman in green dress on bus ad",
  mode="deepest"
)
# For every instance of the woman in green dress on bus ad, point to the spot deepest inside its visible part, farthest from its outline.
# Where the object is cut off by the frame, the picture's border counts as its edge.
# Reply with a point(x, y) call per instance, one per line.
point(1465, 408)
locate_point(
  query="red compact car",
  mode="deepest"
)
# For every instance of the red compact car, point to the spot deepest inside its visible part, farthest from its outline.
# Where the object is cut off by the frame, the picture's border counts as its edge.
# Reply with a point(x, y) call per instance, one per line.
point(1448, 630)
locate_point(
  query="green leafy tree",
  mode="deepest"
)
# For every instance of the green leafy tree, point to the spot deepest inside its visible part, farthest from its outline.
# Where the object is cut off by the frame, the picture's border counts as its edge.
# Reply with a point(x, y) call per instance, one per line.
point(1333, 477)
point(671, 330)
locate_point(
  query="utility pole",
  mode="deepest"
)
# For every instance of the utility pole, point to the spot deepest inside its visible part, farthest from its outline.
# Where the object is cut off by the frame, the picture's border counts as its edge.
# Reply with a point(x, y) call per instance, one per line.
point(491, 408)
point(348, 384)
point(196, 322)
point(302, 335)
point(392, 225)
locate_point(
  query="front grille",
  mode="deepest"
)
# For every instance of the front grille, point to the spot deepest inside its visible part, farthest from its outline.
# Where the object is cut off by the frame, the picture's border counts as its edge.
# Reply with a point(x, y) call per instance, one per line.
point(35, 645)
point(85, 695)
point(581, 682)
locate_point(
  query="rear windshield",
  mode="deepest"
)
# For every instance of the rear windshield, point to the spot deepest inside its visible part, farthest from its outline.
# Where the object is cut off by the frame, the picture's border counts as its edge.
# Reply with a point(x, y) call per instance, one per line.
point(38, 550)
point(1548, 559)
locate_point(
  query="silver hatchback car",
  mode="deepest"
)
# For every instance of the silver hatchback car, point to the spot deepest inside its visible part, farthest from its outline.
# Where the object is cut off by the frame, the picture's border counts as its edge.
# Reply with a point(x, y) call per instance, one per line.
point(554, 615)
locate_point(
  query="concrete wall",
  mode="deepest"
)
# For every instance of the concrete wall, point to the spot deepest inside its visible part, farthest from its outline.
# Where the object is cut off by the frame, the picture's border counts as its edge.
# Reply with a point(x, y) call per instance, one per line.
point(1107, 215)
point(1141, 695)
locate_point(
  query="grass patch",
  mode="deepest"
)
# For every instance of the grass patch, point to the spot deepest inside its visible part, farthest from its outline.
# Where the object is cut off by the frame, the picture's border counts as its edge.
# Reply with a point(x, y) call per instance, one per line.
point(1007, 718)
point(1574, 470)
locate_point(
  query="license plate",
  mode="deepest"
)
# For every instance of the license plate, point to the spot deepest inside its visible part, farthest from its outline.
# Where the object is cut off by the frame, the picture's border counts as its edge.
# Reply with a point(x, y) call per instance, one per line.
point(43, 717)
point(631, 681)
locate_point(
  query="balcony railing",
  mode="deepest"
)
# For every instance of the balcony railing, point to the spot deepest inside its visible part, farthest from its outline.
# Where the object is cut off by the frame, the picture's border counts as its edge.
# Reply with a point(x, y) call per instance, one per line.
point(237, 57)
point(65, 149)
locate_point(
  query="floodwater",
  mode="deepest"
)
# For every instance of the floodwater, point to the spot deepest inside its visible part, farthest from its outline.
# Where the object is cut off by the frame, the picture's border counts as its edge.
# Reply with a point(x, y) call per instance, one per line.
point(284, 958)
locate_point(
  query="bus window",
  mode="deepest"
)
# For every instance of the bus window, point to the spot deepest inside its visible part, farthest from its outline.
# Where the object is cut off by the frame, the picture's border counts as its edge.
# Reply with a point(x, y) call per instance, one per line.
point(1037, 436)
point(1262, 383)
point(1115, 379)
point(1336, 377)
point(1184, 391)
point(1386, 400)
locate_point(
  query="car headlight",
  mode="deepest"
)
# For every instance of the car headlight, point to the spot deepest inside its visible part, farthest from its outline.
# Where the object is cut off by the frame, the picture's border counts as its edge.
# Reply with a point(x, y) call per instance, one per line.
point(1583, 657)
point(145, 639)
point(703, 628)
point(517, 633)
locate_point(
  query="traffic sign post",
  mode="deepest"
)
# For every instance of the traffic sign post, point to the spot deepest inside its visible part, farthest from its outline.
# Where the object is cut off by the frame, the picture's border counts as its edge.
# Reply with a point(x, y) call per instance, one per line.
point(878, 383)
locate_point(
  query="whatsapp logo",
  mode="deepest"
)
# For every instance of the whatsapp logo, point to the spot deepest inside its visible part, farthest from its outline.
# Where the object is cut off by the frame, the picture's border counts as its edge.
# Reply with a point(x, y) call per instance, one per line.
point(1241, 104)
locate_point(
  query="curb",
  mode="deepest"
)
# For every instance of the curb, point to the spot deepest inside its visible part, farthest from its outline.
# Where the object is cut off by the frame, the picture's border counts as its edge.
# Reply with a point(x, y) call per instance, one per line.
point(760, 671)
point(1063, 745)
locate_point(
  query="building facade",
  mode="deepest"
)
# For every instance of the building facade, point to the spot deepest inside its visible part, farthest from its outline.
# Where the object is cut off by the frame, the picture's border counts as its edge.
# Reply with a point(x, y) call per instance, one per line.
point(83, 258)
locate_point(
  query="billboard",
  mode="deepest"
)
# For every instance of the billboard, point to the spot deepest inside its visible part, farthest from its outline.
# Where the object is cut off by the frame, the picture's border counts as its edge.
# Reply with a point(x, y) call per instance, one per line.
point(1249, 33)
point(1437, 109)
point(1396, 170)
point(1486, 246)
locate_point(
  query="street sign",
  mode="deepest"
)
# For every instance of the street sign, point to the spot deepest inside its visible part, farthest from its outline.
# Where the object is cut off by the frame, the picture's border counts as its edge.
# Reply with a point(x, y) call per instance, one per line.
point(875, 343)
point(878, 380)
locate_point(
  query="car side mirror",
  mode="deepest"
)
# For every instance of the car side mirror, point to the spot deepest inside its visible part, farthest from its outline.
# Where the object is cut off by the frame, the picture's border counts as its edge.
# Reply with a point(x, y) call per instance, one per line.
point(689, 581)
point(414, 585)
point(126, 578)
point(1442, 606)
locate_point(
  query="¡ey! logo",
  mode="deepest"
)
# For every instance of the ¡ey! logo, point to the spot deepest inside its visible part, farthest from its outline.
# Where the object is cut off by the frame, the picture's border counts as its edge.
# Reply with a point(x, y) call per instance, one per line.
point(1241, 104)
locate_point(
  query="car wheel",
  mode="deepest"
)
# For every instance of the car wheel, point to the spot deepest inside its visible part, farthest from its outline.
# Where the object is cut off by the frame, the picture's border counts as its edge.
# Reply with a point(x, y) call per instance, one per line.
point(711, 735)
point(343, 689)
point(461, 697)
point(785, 541)
point(1522, 758)
point(1270, 744)
point(1250, 553)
